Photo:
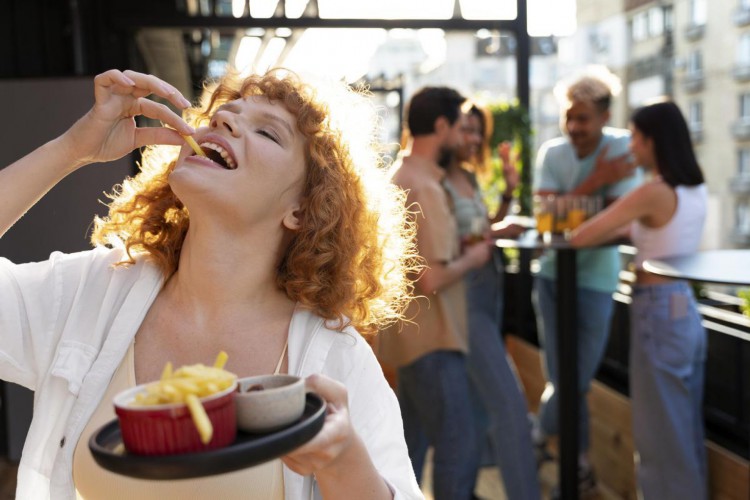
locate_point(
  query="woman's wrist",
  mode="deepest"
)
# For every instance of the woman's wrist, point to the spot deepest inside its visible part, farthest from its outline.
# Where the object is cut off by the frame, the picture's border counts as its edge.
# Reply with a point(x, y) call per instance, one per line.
point(67, 146)
point(62, 152)
point(352, 470)
point(506, 197)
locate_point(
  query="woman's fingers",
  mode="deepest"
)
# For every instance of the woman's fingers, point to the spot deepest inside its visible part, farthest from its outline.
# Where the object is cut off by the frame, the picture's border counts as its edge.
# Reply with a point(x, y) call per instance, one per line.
point(331, 390)
point(161, 112)
point(324, 447)
point(157, 135)
point(111, 78)
point(137, 85)
point(327, 446)
point(158, 87)
point(300, 467)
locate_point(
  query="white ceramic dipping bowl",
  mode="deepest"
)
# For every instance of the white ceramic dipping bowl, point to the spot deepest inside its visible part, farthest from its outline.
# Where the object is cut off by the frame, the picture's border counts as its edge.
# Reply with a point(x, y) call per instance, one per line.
point(278, 404)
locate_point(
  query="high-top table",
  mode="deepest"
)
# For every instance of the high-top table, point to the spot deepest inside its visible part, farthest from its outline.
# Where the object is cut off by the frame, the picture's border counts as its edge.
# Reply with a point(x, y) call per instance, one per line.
point(567, 336)
point(726, 267)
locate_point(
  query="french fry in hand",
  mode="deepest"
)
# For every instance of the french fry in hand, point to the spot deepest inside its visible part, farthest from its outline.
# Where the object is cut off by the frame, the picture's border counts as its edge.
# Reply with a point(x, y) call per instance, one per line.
point(191, 142)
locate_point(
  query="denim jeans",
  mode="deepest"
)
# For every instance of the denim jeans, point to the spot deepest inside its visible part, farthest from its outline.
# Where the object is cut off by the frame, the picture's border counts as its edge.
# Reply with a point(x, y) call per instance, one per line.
point(433, 392)
point(667, 356)
point(502, 408)
point(594, 313)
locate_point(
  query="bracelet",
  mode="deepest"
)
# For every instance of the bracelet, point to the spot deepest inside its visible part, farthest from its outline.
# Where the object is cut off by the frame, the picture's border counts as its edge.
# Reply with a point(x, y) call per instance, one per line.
point(507, 198)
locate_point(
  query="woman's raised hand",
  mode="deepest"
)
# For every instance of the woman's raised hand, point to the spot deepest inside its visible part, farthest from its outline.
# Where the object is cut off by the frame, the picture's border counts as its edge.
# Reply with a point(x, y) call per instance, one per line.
point(108, 131)
point(510, 173)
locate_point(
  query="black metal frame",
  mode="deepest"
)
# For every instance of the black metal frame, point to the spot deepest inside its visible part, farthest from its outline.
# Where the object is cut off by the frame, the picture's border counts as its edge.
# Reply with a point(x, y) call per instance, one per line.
point(127, 18)
point(40, 38)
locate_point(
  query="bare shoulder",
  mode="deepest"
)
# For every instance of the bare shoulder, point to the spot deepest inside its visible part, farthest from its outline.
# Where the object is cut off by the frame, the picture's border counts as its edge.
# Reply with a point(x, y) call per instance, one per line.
point(653, 189)
point(414, 174)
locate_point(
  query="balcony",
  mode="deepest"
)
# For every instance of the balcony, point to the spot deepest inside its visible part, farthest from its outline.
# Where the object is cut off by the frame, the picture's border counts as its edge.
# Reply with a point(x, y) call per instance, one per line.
point(741, 129)
point(741, 16)
point(741, 71)
point(695, 32)
point(693, 81)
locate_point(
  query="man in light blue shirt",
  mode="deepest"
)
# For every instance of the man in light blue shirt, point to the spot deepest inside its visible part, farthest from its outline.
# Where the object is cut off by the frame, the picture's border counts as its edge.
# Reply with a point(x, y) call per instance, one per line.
point(592, 159)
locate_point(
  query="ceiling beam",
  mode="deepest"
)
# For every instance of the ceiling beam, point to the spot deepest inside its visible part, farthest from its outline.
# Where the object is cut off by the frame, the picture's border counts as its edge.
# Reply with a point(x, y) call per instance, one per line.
point(229, 24)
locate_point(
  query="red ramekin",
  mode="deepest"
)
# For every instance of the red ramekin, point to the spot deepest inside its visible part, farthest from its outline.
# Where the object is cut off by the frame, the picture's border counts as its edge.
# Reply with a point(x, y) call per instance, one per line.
point(168, 429)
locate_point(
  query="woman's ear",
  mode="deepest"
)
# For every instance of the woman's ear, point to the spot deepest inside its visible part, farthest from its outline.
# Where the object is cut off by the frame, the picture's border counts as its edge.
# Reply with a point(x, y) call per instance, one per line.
point(292, 220)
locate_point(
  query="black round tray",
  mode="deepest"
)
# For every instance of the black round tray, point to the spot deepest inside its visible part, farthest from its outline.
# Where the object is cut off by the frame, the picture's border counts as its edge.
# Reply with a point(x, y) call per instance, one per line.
point(246, 451)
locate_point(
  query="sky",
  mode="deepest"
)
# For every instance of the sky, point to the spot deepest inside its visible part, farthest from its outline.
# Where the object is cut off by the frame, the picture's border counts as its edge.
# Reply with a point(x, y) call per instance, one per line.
point(331, 51)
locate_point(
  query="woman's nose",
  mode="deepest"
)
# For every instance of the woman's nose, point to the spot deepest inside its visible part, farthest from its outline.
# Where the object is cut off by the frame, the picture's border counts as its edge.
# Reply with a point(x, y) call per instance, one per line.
point(225, 120)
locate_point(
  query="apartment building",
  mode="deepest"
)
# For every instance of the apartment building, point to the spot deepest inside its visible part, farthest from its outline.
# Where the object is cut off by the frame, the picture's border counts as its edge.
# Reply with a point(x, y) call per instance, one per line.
point(698, 53)
point(712, 85)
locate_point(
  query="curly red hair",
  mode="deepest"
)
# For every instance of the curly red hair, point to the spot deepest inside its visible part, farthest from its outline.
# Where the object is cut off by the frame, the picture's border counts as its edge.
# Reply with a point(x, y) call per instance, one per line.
point(351, 260)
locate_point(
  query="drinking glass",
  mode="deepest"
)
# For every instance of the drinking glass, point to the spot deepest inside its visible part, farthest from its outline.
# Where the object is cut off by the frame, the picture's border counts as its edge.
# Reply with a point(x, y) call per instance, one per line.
point(544, 213)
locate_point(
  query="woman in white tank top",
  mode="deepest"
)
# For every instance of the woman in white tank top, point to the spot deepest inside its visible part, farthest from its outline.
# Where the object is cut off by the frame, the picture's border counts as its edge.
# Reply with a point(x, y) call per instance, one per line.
point(665, 217)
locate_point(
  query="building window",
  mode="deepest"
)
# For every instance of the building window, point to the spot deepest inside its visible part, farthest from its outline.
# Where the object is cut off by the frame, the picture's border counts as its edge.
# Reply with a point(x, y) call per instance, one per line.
point(639, 27)
point(695, 63)
point(745, 107)
point(655, 21)
point(694, 75)
point(743, 162)
point(741, 14)
point(669, 18)
point(695, 120)
point(695, 114)
point(649, 24)
point(743, 50)
point(743, 218)
point(698, 12)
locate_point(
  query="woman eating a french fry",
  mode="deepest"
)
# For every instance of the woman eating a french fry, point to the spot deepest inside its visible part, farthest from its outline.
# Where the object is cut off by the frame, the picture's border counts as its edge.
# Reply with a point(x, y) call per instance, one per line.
point(277, 241)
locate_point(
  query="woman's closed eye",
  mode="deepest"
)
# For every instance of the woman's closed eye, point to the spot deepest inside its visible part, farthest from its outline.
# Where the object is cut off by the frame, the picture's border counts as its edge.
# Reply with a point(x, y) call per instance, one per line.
point(269, 134)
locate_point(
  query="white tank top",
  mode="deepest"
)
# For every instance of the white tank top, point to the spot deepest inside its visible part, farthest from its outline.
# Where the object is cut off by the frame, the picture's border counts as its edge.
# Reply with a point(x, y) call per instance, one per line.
point(681, 235)
point(263, 482)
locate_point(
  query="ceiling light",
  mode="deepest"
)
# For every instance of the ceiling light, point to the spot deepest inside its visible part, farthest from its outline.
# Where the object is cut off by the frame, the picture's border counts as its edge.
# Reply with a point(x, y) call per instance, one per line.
point(238, 8)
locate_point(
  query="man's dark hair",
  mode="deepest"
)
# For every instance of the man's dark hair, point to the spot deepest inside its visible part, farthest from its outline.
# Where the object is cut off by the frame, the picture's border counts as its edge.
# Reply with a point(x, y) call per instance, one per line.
point(664, 124)
point(429, 104)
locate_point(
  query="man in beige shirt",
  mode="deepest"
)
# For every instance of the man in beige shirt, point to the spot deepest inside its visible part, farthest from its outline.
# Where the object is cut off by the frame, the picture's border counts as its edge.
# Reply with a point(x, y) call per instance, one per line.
point(429, 351)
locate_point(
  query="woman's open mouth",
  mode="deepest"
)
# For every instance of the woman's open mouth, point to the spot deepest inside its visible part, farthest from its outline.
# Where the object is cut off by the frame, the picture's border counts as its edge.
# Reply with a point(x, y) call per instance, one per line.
point(218, 155)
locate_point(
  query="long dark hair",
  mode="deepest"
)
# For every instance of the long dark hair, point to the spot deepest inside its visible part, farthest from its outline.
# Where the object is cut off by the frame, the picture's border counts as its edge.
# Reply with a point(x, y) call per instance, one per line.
point(664, 124)
point(481, 161)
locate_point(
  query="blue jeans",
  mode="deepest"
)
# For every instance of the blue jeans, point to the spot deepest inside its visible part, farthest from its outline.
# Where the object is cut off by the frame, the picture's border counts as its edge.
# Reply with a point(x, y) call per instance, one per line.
point(667, 356)
point(594, 313)
point(433, 392)
point(503, 409)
